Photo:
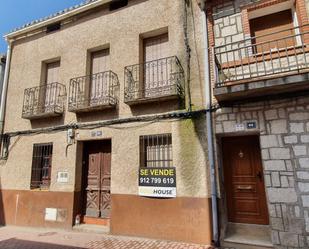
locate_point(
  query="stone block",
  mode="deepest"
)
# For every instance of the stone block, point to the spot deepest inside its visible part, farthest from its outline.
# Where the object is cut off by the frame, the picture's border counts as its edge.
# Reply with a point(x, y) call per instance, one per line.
point(283, 195)
point(229, 126)
point(275, 179)
point(229, 30)
point(265, 154)
point(288, 239)
point(278, 126)
point(304, 138)
point(305, 199)
point(303, 175)
point(299, 116)
point(290, 139)
point(277, 224)
point(275, 237)
point(304, 162)
point(284, 182)
point(269, 141)
point(282, 113)
point(280, 153)
point(271, 114)
point(300, 150)
point(297, 127)
point(274, 165)
point(303, 187)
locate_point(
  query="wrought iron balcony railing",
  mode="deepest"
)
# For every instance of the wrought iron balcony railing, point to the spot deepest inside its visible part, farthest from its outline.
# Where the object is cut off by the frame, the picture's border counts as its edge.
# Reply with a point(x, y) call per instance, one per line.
point(248, 59)
point(158, 79)
point(44, 101)
point(94, 92)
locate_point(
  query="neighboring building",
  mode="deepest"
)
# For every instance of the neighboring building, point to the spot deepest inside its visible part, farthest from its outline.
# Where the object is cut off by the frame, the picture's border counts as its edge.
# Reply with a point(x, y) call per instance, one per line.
point(259, 70)
point(95, 92)
point(2, 68)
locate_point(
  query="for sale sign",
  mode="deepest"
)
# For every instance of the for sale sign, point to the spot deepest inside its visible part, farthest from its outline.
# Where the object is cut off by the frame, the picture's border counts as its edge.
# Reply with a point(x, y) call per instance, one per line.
point(157, 182)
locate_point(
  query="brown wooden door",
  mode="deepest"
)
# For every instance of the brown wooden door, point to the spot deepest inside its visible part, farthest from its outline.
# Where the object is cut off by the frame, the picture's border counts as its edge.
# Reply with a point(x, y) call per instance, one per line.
point(98, 179)
point(244, 182)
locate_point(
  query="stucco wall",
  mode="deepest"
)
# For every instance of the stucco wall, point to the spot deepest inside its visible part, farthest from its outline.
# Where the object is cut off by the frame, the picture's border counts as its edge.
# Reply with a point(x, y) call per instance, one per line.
point(189, 157)
point(120, 30)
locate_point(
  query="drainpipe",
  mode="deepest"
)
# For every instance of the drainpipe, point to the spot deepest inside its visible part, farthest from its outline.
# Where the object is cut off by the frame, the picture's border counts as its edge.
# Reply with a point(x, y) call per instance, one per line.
point(210, 142)
point(5, 87)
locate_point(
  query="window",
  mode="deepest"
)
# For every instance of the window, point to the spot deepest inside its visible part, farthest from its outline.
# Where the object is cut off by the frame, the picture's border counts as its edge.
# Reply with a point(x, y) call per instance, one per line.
point(271, 31)
point(53, 27)
point(117, 4)
point(41, 165)
point(156, 151)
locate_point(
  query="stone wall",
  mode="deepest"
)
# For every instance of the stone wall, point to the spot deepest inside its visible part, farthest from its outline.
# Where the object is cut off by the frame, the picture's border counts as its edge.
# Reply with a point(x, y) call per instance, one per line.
point(283, 126)
point(228, 26)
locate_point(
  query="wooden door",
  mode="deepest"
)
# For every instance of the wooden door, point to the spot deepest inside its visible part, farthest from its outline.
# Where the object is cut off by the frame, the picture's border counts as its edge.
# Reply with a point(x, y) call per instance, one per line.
point(99, 89)
point(243, 180)
point(98, 179)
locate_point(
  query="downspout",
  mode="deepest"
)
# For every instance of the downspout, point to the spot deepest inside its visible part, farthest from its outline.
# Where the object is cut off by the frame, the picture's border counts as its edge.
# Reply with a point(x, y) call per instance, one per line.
point(210, 141)
point(5, 87)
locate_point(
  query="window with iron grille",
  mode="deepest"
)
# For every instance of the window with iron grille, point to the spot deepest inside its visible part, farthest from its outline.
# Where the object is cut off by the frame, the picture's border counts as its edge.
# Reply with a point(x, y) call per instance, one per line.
point(156, 151)
point(41, 165)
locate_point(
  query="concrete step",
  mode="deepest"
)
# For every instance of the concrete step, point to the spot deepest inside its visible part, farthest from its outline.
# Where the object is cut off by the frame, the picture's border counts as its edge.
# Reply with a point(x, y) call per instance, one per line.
point(247, 236)
point(89, 228)
point(231, 245)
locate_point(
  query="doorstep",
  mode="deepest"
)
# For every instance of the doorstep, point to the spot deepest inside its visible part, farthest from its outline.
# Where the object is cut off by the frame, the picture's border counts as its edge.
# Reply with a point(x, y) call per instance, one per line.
point(89, 228)
point(247, 236)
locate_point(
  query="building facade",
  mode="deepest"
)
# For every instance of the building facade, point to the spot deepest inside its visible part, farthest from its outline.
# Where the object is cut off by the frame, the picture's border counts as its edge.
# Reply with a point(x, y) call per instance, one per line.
point(94, 93)
point(2, 69)
point(259, 75)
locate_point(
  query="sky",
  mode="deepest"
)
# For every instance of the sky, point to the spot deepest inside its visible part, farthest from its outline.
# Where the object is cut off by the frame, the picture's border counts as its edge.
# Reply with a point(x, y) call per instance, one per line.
point(15, 13)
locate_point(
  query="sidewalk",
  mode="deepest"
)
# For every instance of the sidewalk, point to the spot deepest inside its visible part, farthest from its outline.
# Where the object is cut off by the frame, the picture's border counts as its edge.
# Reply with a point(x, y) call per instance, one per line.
point(31, 238)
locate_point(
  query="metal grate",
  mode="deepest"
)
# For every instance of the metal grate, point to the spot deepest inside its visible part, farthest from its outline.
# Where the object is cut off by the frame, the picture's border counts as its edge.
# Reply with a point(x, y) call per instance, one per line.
point(248, 59)
point(156, 151)
point(154, 79)
point(41, 165)
point(5, 143)
point(93, 90)
point(48, 98)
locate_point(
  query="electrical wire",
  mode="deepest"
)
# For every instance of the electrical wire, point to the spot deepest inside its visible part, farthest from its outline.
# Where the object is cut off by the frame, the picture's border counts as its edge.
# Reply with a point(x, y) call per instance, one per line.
point(111, 123)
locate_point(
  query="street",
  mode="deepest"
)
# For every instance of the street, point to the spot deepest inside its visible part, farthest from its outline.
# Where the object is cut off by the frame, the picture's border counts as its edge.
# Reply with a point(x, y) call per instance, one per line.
point(32, 238)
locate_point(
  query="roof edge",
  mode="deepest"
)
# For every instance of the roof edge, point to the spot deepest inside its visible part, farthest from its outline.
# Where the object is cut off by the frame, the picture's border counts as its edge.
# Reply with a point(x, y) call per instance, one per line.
point(57, 18)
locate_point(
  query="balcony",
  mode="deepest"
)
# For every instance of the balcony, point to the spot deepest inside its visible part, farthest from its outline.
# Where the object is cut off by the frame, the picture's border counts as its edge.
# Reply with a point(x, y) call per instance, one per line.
point(94, 92)
point(161, 79)
point(249, 69)
point(44, 101)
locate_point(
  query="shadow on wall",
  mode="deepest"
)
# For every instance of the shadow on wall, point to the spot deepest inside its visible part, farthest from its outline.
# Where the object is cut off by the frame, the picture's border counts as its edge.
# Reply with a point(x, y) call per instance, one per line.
point(2, 216)
point(17, 243)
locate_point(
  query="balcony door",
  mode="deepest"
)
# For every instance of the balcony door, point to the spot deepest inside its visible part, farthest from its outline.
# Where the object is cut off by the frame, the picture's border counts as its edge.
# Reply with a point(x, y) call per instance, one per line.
point(156, 69)
point(50, 90)
point(274, 31)
point(99, 80)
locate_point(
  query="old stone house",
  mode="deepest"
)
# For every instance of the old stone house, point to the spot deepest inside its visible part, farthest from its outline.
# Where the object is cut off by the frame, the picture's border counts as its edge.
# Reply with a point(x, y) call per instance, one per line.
point(94, 93)
point(258, 55)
